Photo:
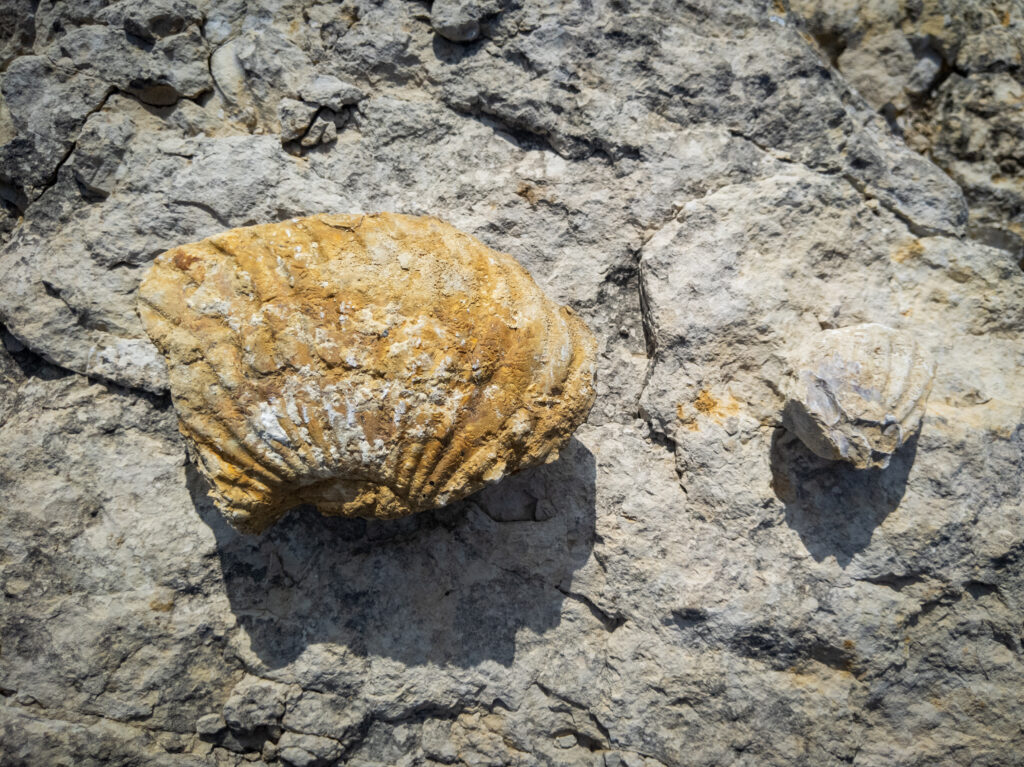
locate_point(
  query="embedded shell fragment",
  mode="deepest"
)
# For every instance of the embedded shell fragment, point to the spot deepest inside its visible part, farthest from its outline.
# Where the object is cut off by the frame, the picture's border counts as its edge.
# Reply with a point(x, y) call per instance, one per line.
point(371, 365)
point(858, 393)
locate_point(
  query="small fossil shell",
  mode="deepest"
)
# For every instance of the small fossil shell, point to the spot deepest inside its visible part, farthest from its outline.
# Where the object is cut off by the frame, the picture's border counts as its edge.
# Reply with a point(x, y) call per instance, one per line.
point(858, 393)
point(371, 365)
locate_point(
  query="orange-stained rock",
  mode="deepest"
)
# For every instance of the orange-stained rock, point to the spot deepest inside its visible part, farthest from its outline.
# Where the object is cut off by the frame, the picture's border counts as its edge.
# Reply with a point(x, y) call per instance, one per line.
point(372, 365)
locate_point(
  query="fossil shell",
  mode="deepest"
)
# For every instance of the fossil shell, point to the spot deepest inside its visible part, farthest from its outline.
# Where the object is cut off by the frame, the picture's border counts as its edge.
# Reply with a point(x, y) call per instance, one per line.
point(858, 393)
point(371, 365)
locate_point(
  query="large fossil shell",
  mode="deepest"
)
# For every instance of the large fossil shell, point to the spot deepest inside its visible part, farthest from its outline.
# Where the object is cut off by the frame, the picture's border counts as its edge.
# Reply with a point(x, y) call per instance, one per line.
point(371, 365)
point(858, 393)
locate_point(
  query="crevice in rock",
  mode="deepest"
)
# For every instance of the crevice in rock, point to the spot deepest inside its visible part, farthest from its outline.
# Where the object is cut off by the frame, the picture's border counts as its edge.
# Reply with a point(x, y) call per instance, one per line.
point(39, 712)
point(838, 659)
point(999, 238)
point(523, 138)
point(527, 138)
point(768, 151)
point(601, 728)
point(13, 194)
point(31, 363)
point(646, 322)
point(832, 45)
point(1007, 640)
point(81, 316)
point(582, 739)
point(928, 606)
point(13, 197)
point(610, 622)
point(979, 589)
point(211, 212)
point(895, 582)
point(34, 364)
point(52, 179)
point(918, 230)
point(656, 436)
point(686, 618)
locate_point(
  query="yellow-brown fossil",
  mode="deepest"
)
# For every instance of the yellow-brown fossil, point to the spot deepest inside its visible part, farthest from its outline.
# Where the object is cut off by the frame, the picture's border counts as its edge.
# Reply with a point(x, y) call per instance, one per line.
point(371, 365)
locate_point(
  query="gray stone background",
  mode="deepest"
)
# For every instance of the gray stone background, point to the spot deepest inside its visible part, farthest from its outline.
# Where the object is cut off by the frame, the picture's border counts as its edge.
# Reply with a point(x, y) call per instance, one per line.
point(707, 182)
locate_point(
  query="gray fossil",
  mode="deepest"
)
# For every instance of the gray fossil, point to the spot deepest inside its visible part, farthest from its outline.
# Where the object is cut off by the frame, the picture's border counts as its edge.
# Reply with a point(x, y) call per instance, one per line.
point(857, 394)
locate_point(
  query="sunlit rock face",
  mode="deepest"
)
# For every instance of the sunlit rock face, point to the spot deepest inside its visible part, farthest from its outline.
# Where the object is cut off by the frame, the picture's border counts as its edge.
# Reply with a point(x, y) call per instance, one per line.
point(688, 584)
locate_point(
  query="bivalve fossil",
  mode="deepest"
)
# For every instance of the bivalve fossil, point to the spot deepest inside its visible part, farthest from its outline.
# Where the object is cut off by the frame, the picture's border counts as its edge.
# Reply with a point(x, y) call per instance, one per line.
point(371, 365)
point(858, 393)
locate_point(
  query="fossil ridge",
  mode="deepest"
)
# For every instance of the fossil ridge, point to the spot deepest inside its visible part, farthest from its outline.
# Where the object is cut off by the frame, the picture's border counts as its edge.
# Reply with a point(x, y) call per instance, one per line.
point(859, 393)
point(371, 365)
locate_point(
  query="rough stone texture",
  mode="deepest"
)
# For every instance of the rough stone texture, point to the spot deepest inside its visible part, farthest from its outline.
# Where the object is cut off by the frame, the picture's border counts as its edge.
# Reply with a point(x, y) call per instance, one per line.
point(949, 76)
point(688, 584)
point(373, 366)
point(459, 20)
point(857, 393)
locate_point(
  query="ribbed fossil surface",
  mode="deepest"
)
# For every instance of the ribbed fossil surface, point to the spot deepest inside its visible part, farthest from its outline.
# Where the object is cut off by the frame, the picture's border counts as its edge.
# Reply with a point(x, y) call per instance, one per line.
point(371, 365)
point(858, 393)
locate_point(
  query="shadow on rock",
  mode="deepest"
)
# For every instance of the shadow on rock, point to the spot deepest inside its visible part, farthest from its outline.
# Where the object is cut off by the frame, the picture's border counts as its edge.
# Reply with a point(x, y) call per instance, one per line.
point(451, 586)
point(834, 507)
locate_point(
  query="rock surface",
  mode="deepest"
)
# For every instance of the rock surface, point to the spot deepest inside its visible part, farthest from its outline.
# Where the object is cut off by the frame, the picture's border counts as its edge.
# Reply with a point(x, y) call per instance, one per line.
point(374, 366)
point(687, 584)
point(948, 76)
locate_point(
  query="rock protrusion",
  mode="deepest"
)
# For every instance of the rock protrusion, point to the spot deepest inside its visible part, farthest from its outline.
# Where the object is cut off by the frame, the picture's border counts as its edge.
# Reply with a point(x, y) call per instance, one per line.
point(858, 393)
point(371, 365)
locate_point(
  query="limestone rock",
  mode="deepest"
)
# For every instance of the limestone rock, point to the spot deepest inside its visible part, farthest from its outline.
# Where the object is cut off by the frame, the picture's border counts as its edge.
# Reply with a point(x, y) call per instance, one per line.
point(210, 725)
point(687, 584)
point(859, 393)
point(330, 92)
point(880, 68)
point(295, 117)
point(308, 750)
point(949, 76)
point(323, 130)
point(371, 365)
point(253, 704)
point(459, 20)
point(11, 377)
point(17, 20)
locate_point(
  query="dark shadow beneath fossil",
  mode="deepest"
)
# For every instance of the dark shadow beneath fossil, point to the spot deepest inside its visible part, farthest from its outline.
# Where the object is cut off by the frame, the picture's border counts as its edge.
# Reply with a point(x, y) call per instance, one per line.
point(452, 586)
point(834, 507)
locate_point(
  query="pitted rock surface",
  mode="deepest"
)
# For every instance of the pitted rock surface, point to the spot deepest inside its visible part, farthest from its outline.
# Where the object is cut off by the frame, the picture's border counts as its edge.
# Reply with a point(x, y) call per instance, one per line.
point(688, 584)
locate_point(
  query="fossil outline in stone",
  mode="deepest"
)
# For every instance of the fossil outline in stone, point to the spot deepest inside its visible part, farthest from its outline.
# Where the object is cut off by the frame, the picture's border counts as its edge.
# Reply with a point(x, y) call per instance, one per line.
point(371, 365)
point(858, 393)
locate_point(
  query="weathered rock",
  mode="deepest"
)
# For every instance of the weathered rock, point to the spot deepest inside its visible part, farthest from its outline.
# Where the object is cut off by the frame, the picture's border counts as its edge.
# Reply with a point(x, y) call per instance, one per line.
point(11, 378)
point(254, 704)
point(210, 725)
point(17, 29)
point(459, 20)
point(330, 92)
point(47, 105)
point(323, 130)
point(158, 19)
point(371, 365)
point(857, 394)
point(308, 750)
point(295, 118)
point(253, 70)
point(688, 583)
point(99, 152)
point(949, 76)
point(880, 67)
